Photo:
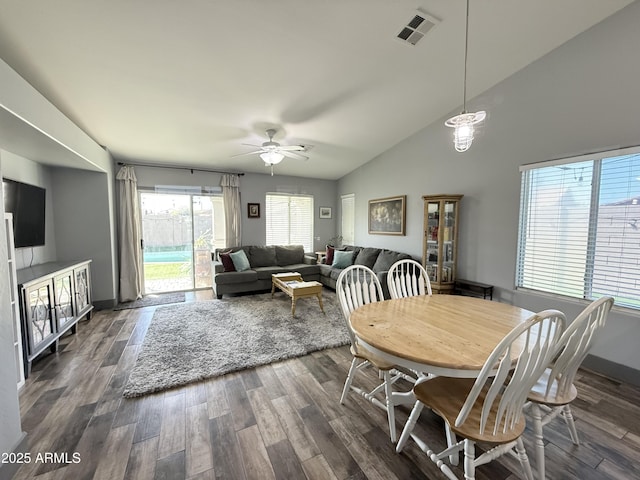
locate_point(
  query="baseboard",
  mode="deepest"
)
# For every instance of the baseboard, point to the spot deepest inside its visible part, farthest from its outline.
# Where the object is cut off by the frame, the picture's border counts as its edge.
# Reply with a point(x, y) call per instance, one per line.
point(612, 370)
point(105, 304)
point(8, 470)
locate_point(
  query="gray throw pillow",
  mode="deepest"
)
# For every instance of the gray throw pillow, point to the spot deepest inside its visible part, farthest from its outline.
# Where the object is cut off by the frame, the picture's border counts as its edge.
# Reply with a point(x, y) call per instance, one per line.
point(367, 257)
point(388, 258)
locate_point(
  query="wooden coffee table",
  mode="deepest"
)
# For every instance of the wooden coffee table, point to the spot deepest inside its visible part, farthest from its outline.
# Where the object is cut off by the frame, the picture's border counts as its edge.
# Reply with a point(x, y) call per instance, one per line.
point(292, 284)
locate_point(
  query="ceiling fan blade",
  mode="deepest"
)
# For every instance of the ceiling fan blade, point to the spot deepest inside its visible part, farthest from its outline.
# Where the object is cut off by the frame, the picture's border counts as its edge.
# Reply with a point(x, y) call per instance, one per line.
point(247, 153)
point(292, 148)
point(297, 156)
point(251, 145)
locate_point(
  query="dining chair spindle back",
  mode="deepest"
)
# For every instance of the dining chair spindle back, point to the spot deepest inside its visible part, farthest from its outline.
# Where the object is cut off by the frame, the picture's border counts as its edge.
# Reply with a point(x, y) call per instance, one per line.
point(408, 278)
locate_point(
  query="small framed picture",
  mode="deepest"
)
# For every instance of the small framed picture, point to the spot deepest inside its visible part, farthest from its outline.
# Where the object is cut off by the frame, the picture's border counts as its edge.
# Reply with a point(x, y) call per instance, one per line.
point(325, 212)
point(253, 210)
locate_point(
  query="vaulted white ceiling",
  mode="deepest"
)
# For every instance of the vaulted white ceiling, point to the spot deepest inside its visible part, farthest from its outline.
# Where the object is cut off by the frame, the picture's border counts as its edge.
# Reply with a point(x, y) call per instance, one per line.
point(188, 82)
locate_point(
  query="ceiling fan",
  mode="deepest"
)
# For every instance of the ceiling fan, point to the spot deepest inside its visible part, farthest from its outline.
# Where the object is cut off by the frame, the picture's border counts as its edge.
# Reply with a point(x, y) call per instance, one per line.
point(272, 152)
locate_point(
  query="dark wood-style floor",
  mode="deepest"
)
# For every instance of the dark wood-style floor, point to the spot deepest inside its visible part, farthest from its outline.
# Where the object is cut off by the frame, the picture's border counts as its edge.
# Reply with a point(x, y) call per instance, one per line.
point(277, 421)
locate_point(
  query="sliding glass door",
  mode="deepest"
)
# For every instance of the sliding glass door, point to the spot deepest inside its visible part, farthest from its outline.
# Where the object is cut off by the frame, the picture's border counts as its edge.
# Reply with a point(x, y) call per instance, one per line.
point(179, 230)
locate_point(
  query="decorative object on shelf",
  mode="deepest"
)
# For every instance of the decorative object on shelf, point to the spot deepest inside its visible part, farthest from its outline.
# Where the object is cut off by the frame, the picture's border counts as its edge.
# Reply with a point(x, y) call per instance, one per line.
point(325, 212)
point(440, 242)
point(465, 121)
point(253, 210)
point(387, 215)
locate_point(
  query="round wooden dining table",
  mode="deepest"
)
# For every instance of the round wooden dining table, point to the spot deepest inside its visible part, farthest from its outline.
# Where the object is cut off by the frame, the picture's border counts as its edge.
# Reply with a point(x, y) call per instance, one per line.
point(449, 335)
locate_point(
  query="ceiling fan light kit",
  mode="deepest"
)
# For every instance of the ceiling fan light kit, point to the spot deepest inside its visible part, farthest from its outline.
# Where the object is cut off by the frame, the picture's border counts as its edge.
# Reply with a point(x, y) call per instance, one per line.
point(273, 153)
point(463, 124)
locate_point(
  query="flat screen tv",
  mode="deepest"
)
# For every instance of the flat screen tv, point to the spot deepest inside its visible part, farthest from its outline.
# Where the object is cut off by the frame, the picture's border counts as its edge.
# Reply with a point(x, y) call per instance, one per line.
point(27, 204)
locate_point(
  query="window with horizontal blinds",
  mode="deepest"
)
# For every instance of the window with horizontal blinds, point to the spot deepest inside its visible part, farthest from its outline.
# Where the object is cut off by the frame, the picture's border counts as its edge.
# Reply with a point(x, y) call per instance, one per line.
point(289, 220)
point(579, 226)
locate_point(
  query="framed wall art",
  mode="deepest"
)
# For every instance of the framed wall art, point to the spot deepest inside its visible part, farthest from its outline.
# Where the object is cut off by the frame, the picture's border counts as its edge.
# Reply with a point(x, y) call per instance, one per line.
point(325, 212)
point(387, 215)
point(253, 210)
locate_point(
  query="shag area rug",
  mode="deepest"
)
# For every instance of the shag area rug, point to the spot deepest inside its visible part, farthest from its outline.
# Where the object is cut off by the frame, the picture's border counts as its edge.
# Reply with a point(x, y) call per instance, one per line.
point(199, 340)
point(152, 299)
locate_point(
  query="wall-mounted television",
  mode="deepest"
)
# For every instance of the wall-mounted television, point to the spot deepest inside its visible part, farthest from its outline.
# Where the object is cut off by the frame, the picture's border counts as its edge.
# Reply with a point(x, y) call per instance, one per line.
point(27, 204)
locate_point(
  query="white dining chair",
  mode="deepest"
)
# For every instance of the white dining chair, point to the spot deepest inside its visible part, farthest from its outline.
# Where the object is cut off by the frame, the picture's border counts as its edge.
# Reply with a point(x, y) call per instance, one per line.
point(554, 391)
point(358, 285)
point(489, 407)
point(408, 278)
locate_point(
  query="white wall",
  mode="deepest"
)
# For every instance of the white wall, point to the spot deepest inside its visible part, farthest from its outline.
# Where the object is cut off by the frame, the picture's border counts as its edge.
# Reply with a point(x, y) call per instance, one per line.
point(253, 188)
point(83, 210)
point(24, 170)
point(10, 429)
point(582, 97)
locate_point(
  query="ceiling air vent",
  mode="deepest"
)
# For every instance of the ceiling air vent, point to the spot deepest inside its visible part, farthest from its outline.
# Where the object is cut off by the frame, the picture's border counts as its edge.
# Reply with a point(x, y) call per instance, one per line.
point(417, 28)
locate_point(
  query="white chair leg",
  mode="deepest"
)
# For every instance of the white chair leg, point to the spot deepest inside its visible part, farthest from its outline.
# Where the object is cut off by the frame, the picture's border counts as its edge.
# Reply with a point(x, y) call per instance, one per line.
point(347, 383)
point(524, 460)
point(411, 423)
point(389, 402)
point(469, 460)
point(451, 440)
point(568, 417)
point(536, 415)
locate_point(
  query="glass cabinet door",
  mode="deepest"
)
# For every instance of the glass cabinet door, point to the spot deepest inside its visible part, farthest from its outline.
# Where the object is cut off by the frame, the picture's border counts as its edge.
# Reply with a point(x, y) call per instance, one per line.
point(448, 241)
point(39, 319)
point(64, 299)
point(83, 290)
point(431, 239)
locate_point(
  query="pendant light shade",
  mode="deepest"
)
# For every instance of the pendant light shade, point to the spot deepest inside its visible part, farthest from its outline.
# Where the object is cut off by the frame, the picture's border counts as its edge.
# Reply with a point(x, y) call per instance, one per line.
point(464, 123)
point(464, 128)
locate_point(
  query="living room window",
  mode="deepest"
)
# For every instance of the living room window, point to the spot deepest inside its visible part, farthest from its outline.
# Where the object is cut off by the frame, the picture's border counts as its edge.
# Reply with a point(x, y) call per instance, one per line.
point(289, 220)
point(580, 227)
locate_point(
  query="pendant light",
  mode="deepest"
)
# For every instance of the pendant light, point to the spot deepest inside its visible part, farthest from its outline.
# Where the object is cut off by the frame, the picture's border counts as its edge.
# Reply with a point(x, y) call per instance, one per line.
point(464, 122)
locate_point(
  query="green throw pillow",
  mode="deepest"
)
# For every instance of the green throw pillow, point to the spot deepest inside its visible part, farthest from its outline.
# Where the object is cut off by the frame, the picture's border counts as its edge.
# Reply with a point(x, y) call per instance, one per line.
point(342, 259)
point(240, 261)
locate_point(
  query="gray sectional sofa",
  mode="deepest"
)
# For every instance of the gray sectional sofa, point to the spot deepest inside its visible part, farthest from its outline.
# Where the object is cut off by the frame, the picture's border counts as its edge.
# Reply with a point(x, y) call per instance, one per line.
point(377, 259)
point(289, 258)
point(263, 261)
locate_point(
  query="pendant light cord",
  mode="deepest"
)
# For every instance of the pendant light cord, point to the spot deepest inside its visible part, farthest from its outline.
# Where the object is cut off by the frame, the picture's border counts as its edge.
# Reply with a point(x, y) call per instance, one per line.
point(466, 48)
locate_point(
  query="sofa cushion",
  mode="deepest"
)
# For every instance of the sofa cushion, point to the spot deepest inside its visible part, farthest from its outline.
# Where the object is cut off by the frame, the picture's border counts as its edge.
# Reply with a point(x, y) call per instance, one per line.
point(236, 277)
point(342, 259)
point(367, 257)
point(227, 263)
point(264, 273)
point(260, 256)
point(325, 270)
point(240, 261)
point(335, 273)
point(304, 269)
point(289, 254)
point(388, 258)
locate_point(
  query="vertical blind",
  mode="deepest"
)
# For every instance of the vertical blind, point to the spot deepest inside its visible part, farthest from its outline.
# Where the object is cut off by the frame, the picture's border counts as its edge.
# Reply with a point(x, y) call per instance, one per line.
point(348, 219)
point(289, 220)
point(580, 228)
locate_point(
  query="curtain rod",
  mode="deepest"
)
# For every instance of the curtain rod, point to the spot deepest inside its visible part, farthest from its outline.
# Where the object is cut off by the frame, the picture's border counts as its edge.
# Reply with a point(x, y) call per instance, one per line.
point(191, 169)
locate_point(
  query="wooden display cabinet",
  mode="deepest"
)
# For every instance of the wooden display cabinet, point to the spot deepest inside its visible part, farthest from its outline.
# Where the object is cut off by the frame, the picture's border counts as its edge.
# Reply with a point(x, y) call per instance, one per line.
point(440, 242)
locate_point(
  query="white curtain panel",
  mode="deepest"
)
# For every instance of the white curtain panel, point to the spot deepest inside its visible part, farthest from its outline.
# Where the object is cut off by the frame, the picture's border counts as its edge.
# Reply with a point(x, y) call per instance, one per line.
point(129, 236)
point(231, 196)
